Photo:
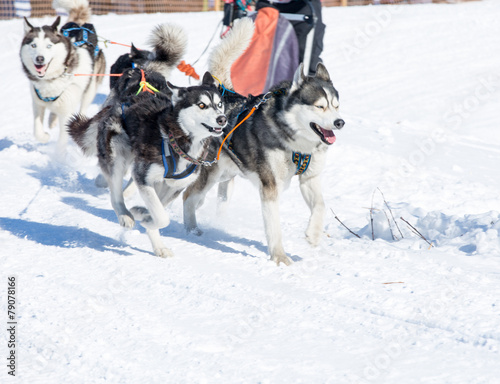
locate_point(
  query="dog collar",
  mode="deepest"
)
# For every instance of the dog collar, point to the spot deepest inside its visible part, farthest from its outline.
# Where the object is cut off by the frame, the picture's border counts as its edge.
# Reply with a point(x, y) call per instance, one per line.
point(46, 99)
point(301, 161)
point(173, 144)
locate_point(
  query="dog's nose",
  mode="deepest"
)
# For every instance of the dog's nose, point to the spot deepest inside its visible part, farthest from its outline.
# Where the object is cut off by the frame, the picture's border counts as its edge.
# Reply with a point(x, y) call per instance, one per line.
point(221, 120)
point(40, 59)
point(339, 123)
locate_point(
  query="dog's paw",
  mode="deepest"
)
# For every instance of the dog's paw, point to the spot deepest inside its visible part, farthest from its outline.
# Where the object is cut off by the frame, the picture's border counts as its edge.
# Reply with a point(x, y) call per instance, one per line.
point(100, 181)
point(281, 259)
point(195, 231)
point(42, 137)
point(140, 213)
point(313, 235)
point(164, 252)
point(126, 221)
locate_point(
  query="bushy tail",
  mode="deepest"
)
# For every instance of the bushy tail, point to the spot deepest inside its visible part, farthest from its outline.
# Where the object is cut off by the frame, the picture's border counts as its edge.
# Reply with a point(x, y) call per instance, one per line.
point(169, 42)
point(231, 47)
point(79, 10)
point(84, 132)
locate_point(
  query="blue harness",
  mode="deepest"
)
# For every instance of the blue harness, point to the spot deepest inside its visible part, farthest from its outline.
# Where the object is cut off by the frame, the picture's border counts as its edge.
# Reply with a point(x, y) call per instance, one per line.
point(85, 38)
point(170, 164)
point(46, 99)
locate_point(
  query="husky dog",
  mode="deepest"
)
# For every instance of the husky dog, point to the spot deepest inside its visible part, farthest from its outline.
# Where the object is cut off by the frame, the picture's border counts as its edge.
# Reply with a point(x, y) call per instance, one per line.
point(288, 134)
point(164, 136)
point(50, 58)
point(169, 43)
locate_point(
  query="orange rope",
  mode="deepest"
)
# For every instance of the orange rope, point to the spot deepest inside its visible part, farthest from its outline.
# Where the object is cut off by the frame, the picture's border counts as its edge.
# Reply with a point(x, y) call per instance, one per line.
point(97, 74)
point(232, 130)
point(114, 42)
point(188, 70)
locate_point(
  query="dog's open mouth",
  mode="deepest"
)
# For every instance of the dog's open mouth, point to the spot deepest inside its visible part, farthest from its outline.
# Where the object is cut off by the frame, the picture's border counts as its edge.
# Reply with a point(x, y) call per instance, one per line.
point(326, 135)
point(41, 69)
point(216, 130)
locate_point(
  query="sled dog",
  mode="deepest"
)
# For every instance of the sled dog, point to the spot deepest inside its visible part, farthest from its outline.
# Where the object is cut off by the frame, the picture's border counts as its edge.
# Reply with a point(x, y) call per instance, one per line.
point(289, 134)
point(169, 43)
point(164, 136)
point(50, 58)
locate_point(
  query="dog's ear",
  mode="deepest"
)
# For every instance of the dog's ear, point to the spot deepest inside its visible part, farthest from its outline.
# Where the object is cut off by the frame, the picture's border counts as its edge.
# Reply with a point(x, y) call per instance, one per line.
point(298, 78)
point(27, 26)
point(134, 51)
point(177, 92)
point(55, 24)
point(209, 80)
point(322, 72)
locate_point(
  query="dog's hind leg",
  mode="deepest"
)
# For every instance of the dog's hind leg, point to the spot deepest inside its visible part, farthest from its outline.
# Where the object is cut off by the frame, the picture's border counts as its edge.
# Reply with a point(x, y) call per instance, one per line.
point(195, 194)
point(311, 191)
point(88, 96)
point(52, 120)
point(115, 180)
point(38, 115)
point(224, 193)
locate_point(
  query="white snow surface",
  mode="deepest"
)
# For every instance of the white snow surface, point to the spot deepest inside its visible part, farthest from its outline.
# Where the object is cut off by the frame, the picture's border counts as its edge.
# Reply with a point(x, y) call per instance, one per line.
point(420, 93)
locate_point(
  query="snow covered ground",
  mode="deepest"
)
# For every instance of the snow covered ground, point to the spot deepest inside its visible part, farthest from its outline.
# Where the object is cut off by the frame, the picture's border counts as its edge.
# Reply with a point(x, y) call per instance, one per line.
point(420, 93)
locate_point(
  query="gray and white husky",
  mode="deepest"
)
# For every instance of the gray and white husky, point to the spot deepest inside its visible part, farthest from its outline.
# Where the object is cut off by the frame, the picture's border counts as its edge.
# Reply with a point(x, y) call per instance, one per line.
point(289, 134)
point(50, 59)
point(165, 138)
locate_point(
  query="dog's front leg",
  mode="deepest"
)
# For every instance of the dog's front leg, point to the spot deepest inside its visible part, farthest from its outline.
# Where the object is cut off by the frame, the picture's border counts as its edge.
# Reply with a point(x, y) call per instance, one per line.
point(38, 115)
point(158, 247)
point(311, 191)
point(270, 213)
point(158, 217)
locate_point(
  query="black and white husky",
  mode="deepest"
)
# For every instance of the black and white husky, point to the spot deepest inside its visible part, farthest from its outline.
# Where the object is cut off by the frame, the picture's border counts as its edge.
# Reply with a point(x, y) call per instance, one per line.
point(289, 134)
point(50, 58)
point(164, 136)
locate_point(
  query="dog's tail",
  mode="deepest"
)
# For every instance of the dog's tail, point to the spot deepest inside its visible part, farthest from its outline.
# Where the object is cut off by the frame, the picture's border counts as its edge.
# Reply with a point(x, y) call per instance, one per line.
point(79, 10)
point(232, 46)
point(169, 42)
point(83, 131)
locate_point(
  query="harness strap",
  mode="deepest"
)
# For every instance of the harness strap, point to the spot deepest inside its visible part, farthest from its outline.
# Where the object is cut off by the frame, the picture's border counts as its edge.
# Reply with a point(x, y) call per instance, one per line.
point(170, 165)
point(46, 99)
point(85, 38)
point(184, 155)
point(301, 161)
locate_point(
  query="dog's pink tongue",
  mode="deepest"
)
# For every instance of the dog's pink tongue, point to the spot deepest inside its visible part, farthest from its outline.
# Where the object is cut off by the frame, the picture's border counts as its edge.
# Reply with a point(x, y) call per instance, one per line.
point(328, 135)
point(41, 69)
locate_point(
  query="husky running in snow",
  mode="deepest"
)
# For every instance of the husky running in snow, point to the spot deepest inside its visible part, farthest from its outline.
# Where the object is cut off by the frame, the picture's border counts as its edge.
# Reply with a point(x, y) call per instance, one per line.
point(165, 138)
point(289, 134)
point(50, 57)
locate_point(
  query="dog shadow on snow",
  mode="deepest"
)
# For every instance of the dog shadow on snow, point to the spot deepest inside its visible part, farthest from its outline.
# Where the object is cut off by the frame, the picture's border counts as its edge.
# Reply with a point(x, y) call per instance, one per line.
point(61, 236)
point(212, 238)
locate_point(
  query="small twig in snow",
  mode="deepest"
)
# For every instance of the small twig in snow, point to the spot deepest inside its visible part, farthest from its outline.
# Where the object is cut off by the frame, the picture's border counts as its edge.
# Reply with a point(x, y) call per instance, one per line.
point(390, 210)
point(390, 227)
point(417, 232)
point(371, 216)
point(355, 234)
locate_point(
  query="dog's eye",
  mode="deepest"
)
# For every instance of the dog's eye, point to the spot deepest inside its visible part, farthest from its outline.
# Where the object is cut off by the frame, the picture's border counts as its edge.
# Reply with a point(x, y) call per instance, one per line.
point(33, 45)
point(320, 107)
point(219, 105)
point(49, 46)
point(202, 106)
